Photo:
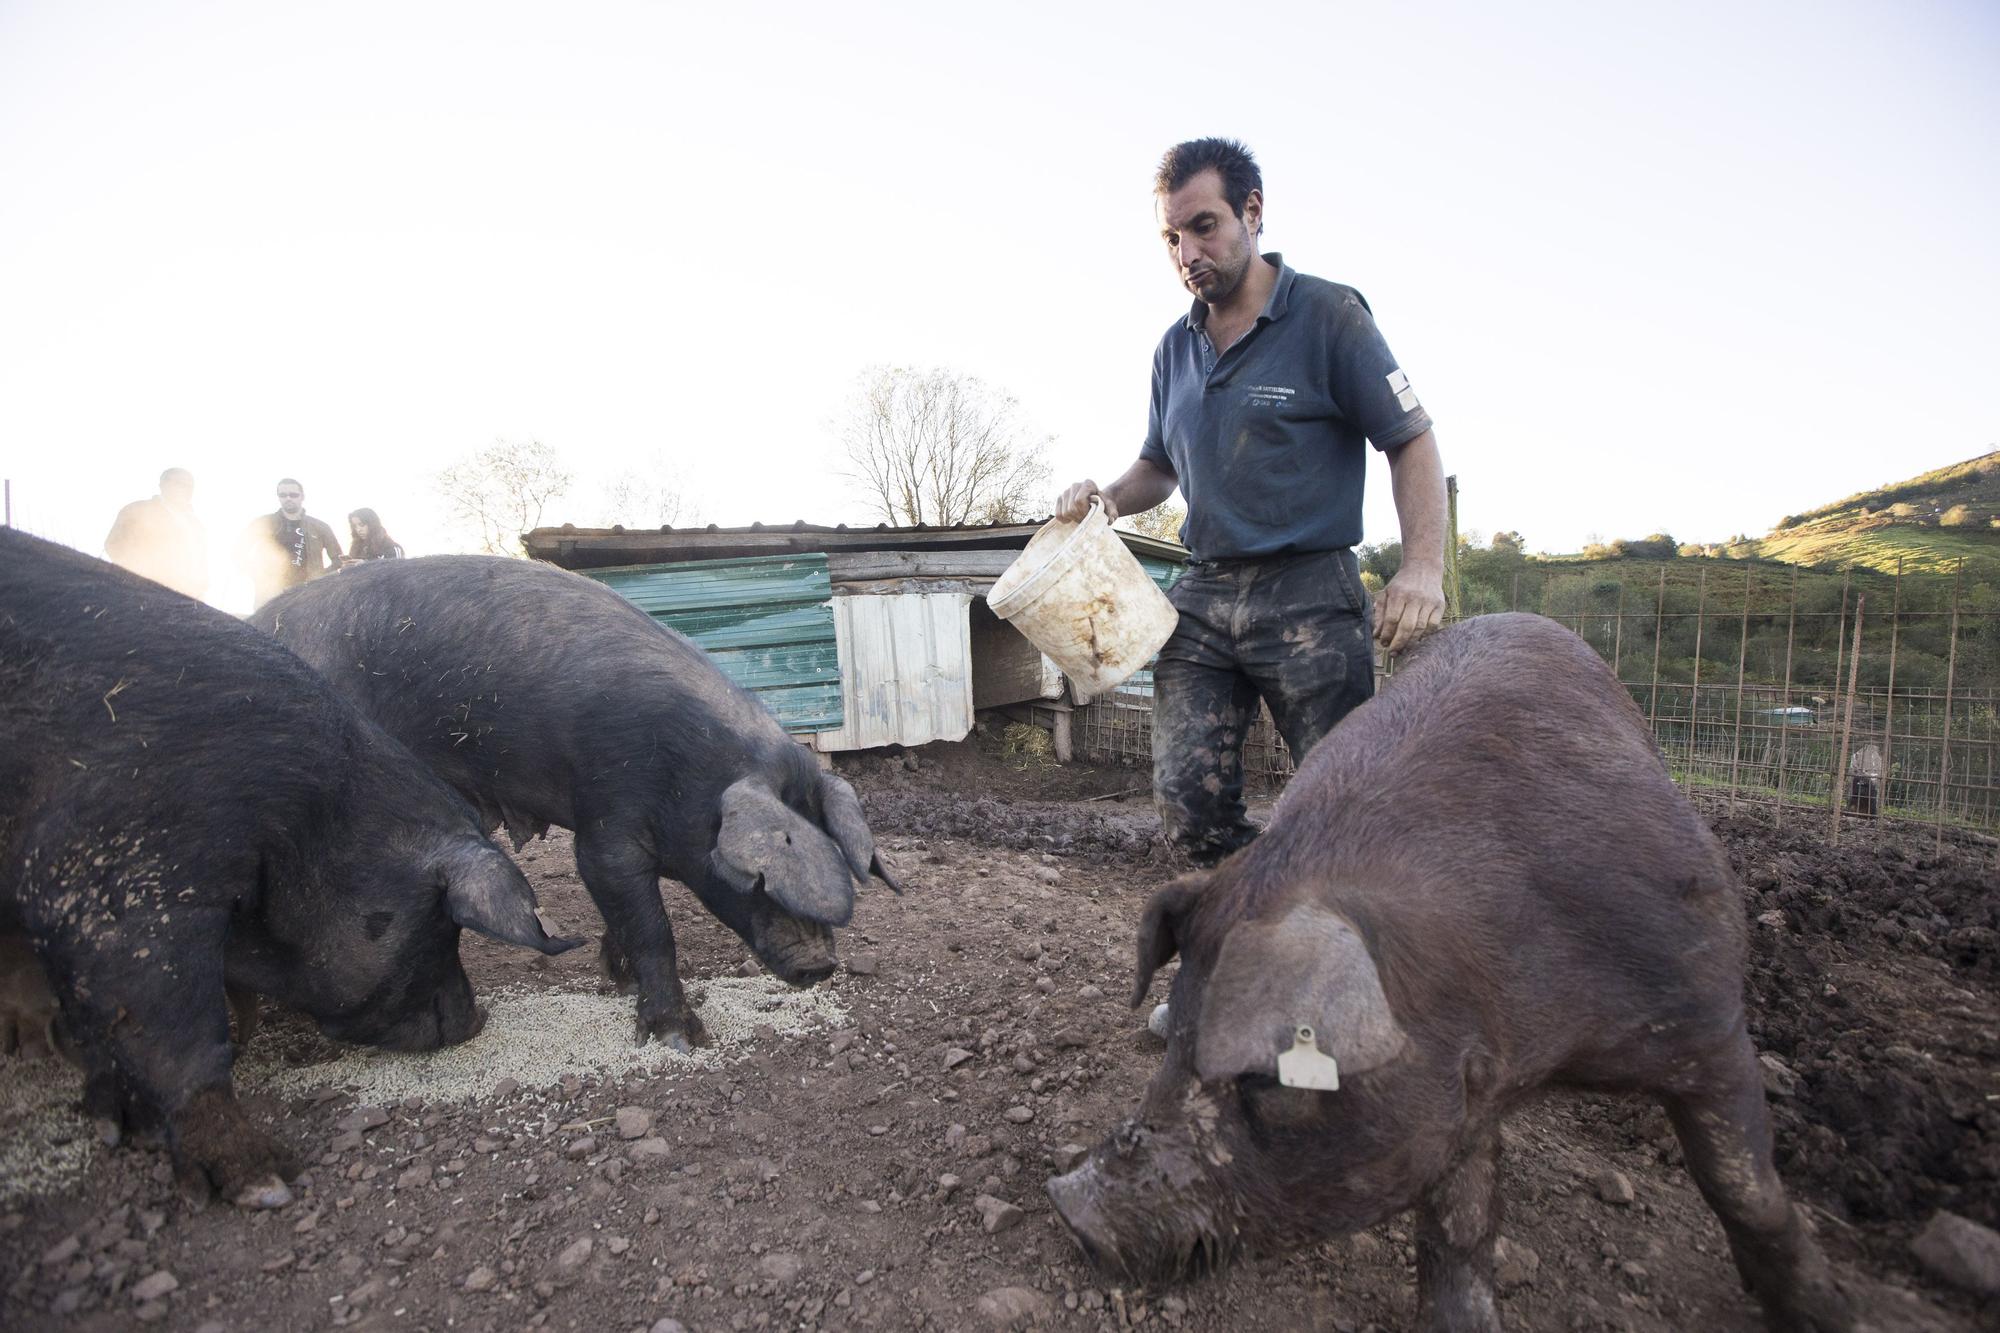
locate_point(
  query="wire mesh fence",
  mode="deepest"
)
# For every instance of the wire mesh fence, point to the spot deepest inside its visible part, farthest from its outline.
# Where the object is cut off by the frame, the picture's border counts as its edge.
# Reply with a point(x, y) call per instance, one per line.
point(1872, 701)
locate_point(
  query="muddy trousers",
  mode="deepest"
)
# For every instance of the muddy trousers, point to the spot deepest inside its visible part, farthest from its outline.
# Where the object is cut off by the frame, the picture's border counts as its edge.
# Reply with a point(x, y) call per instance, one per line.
point(1292, 630)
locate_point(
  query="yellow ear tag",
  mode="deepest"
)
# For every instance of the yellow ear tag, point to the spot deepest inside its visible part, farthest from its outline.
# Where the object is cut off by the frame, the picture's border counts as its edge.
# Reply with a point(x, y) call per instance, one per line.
point(1303, 1066)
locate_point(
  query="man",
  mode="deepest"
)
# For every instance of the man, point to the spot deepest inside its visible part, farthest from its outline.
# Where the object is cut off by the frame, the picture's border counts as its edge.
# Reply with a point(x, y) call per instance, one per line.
point(161, 538)
point(285, 549)
point(1263, 397)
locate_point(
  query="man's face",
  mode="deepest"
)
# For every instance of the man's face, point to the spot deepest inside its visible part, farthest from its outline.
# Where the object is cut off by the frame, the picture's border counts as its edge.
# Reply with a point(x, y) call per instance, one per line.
point(292, 500)
point(1211, 248)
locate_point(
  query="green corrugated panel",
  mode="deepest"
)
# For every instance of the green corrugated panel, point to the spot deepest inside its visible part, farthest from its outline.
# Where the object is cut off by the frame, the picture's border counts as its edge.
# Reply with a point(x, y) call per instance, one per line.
point(766, 622)
point(1162, 572)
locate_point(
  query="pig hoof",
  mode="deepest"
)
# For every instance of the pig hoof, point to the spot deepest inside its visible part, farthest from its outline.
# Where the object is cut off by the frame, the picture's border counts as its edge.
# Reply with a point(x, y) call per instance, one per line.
point(269, 1192)
point(108, 1131)
point(681, 1033)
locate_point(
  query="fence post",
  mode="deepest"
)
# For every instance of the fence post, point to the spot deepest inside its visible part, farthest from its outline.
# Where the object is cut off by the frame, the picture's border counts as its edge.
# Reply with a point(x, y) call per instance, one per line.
point(1659, 620)
point(1618, 633)
point(1694, 690)
point(1742, 658)
point(1514, 603)
point(1950, 678)
point(1847, 725)
point(1840, 637)
point(1889, 713)
point(1785, 717)
point(1454, 606)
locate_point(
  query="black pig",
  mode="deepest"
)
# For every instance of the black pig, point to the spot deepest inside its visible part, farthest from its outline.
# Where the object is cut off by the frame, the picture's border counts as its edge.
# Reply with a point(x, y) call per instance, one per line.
point(1480, 886)
point(546, 698)
point(189, 808)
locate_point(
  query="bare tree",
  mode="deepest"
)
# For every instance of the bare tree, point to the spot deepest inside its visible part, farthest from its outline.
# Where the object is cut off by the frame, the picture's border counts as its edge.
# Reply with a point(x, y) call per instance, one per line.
point(931, 446)
point(500, 492)
point(1161, 522)
point(645, 496)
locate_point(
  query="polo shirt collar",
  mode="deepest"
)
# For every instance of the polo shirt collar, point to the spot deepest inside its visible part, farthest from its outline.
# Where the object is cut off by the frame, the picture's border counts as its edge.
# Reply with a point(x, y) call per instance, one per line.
point(1274, 308)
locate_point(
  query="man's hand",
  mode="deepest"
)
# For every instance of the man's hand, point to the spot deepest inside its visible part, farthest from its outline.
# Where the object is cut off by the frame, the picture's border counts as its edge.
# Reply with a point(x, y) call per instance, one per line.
point(1409, 608)
point(1075, 502)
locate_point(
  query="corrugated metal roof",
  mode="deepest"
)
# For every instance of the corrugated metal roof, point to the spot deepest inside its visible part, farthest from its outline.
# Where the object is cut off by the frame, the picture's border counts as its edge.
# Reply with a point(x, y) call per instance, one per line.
point(767, 622)
point(584, 548)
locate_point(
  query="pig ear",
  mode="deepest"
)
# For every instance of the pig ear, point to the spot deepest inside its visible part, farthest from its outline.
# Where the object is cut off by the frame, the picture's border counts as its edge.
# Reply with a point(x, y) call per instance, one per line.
point(1307, 969)
point(801, 868)
point(849, 828)
point(485, 892)
point(1160, 928)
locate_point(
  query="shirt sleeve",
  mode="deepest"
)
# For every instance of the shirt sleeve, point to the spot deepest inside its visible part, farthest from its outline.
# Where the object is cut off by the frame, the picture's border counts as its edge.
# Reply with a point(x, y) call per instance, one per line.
point(1154, 450)
point(1368, 384)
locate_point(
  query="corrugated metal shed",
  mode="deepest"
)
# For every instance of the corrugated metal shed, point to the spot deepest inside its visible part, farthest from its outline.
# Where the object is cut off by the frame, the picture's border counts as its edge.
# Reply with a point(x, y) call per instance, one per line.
point(905, 670)
point(1164, 573)
point(767, 622)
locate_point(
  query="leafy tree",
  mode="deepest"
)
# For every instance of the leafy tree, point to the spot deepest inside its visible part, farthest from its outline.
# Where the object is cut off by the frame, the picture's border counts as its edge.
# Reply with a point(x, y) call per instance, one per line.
point(498, 493)
point(1162, 522)
point(645, 495)
point(1382, 559)
point(932, 446)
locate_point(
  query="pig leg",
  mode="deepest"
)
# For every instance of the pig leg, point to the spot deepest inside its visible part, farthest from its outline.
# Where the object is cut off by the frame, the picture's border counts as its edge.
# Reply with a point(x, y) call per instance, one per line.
point(1457, 1220)
point(1726, 1134)
point(150, 1021)
point(639, 941)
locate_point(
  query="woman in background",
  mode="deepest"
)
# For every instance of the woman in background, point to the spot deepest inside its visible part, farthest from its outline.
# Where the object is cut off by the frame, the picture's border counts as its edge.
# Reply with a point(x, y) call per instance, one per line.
point(370, 540)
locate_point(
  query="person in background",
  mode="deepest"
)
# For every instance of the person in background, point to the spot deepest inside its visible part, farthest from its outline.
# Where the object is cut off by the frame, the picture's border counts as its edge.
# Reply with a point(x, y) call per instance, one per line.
point(285, 549)
point(368, 540)
point(161, 538)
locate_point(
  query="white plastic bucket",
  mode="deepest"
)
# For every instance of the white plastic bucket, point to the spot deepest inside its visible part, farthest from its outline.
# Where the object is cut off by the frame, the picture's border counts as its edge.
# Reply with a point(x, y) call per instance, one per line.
point(1082, 598)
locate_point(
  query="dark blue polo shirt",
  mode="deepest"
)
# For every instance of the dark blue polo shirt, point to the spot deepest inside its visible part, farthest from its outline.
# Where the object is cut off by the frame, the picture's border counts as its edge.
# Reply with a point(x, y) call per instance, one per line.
point(1267, 439)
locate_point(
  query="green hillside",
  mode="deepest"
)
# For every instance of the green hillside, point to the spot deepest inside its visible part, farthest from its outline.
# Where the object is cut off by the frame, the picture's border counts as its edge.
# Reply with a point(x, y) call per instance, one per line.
point(1930, 522)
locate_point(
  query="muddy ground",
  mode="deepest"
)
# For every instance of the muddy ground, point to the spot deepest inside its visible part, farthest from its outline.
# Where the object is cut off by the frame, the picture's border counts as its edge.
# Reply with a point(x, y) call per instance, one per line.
point(869, 1176)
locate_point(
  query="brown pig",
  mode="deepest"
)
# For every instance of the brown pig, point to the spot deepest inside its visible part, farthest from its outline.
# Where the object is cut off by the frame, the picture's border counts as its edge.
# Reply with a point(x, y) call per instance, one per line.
point(1481, 886)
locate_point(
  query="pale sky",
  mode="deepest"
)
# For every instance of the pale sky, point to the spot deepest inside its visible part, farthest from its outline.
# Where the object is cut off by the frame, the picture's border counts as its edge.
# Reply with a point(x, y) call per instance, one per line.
point(1687, 266)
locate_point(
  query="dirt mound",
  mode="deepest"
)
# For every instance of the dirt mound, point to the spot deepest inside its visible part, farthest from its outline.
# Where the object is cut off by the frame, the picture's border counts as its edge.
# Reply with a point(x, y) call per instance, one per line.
point(1036, 826)
point(1872, 980)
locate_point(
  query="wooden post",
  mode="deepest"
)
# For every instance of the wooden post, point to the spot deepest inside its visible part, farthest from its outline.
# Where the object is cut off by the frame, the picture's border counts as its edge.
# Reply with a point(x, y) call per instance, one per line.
point(1742, 657)
point(1514, 603)
point(1618, 632)
point(1694, 690)
point(1659, 621)
point(1847, 723)
point(1785, 717)
point(1454, 597)
point(1950, 679)
point(1060, 733)
point(1889, 708)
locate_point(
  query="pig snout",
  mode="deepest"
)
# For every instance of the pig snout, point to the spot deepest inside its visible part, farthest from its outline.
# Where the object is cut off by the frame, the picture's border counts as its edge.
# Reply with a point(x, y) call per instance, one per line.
point(1136, 1221)
point(798, 952)
point(449, 1016)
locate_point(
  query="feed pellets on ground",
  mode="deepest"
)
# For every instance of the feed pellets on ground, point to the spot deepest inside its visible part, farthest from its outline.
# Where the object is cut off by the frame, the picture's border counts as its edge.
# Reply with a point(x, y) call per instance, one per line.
point(536, 1038)
point(45, 1143)
point(533, 1038)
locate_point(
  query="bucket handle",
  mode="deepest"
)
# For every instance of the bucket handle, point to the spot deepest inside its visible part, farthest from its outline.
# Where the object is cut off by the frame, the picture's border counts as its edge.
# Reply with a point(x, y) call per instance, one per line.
point(1055, 557)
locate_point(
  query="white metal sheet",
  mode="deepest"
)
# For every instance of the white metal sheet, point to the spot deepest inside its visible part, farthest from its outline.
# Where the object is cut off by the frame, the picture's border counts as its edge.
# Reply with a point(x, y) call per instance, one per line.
point(905, 670)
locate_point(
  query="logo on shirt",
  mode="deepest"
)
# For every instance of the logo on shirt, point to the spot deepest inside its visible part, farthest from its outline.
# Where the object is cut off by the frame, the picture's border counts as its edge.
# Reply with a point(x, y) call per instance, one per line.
point(1399, 384)
point(1269, 395)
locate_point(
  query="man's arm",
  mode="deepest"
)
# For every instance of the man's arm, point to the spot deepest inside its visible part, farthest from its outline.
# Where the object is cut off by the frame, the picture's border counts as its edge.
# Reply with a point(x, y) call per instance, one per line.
point(1413, 603)
point(1144, 485)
